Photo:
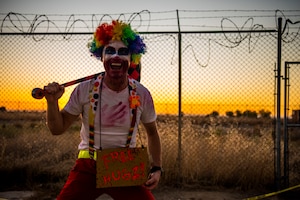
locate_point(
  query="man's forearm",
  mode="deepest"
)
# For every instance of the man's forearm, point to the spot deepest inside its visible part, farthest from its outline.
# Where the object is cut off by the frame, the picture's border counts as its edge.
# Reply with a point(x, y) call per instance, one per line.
point(54, 118)
point(154, 146)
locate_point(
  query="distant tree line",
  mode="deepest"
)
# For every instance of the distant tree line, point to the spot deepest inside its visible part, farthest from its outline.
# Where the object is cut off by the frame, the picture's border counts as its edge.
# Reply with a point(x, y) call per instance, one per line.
point(2, 109)
point(247, 113)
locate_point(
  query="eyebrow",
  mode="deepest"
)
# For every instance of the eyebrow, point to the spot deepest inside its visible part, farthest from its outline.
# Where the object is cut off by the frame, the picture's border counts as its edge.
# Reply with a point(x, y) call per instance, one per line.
point(118, 48)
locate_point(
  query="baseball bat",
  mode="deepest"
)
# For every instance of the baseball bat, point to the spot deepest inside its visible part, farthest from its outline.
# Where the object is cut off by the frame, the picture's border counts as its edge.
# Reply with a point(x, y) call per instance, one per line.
point(39, 93)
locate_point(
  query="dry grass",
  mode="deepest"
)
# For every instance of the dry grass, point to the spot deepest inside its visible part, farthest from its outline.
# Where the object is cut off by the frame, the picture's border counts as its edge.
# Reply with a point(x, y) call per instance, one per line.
point(31, 157)
point(216, 154)
point(228, 152)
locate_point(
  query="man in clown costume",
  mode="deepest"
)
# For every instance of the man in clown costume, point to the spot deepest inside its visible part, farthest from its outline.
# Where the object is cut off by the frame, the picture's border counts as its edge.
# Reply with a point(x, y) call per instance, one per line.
point(111, 107)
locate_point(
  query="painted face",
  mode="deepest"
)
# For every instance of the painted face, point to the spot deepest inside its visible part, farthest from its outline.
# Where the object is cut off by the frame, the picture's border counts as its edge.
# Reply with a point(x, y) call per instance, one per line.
point(116, 59)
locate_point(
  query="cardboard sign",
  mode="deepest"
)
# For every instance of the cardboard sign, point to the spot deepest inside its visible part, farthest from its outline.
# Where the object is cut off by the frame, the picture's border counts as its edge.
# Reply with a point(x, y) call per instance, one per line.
point(122, 167)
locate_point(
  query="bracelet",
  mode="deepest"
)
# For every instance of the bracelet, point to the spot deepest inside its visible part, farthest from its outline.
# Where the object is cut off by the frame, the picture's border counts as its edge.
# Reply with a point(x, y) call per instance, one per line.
point(155, 169)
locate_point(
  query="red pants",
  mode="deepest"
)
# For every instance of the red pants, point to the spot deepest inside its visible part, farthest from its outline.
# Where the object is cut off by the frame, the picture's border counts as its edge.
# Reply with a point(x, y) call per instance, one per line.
point(81, 184)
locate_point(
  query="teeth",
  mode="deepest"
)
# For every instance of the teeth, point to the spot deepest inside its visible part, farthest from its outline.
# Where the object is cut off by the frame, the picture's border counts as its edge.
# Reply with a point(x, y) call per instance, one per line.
point(116, 64)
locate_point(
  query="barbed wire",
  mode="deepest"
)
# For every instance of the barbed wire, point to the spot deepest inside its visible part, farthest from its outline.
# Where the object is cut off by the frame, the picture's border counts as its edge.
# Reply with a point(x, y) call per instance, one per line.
point(18, 22)
point(143, 20)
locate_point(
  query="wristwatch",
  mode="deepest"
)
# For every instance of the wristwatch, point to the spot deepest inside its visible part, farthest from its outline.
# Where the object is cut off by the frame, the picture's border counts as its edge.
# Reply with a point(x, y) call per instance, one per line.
point(156, 168)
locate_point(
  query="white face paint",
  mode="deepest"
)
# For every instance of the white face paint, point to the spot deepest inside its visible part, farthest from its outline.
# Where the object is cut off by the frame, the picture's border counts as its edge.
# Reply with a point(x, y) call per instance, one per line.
point(116, 59)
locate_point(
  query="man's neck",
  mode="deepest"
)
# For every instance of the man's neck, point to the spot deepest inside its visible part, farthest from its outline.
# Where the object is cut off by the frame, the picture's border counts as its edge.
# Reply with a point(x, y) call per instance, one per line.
point(116, 84)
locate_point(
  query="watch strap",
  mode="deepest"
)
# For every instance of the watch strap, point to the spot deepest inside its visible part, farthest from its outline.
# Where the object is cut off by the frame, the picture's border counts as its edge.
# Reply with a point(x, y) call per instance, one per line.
point(155, 169)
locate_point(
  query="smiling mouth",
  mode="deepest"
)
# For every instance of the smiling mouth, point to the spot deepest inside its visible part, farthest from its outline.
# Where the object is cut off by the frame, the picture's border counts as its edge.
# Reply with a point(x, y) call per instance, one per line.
point(115, 65)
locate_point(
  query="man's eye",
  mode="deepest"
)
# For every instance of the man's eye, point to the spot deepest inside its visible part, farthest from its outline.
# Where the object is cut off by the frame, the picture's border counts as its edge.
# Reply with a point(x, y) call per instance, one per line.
point(123, 51)
point(110, 50)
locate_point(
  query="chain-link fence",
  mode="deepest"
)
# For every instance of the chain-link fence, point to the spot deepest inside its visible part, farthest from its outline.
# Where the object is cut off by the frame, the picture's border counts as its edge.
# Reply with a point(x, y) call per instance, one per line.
point(223, 84)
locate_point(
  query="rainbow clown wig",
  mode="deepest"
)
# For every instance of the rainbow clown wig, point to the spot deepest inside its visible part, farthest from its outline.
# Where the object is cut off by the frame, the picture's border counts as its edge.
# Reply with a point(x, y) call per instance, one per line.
point(121, 31)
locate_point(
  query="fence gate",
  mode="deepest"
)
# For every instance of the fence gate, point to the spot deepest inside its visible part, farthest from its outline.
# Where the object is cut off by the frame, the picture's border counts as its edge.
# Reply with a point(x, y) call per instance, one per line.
point(291, 125)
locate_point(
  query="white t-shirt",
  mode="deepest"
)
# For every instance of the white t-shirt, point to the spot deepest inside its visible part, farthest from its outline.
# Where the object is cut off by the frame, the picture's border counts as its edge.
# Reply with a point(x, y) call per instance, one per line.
point(115, 116)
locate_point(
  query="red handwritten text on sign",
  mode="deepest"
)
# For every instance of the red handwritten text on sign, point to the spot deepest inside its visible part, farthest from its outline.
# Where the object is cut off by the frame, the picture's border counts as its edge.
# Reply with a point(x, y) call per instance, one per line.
point(123, 156)
point(121, 167)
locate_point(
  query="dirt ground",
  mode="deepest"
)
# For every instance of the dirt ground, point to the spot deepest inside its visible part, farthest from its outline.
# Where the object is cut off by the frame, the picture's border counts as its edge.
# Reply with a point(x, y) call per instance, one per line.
point(167, 194)
point(197, 195)
point(160, 194)
point(190, 195)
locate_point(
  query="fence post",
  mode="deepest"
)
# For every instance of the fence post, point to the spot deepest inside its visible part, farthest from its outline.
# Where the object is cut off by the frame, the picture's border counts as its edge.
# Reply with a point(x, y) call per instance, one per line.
point(285, 122)
point(179, 159)
point(278, 120)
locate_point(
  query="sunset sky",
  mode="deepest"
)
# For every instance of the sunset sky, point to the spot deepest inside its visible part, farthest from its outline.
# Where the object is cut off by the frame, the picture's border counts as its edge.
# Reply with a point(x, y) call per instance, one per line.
point(28, 67)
